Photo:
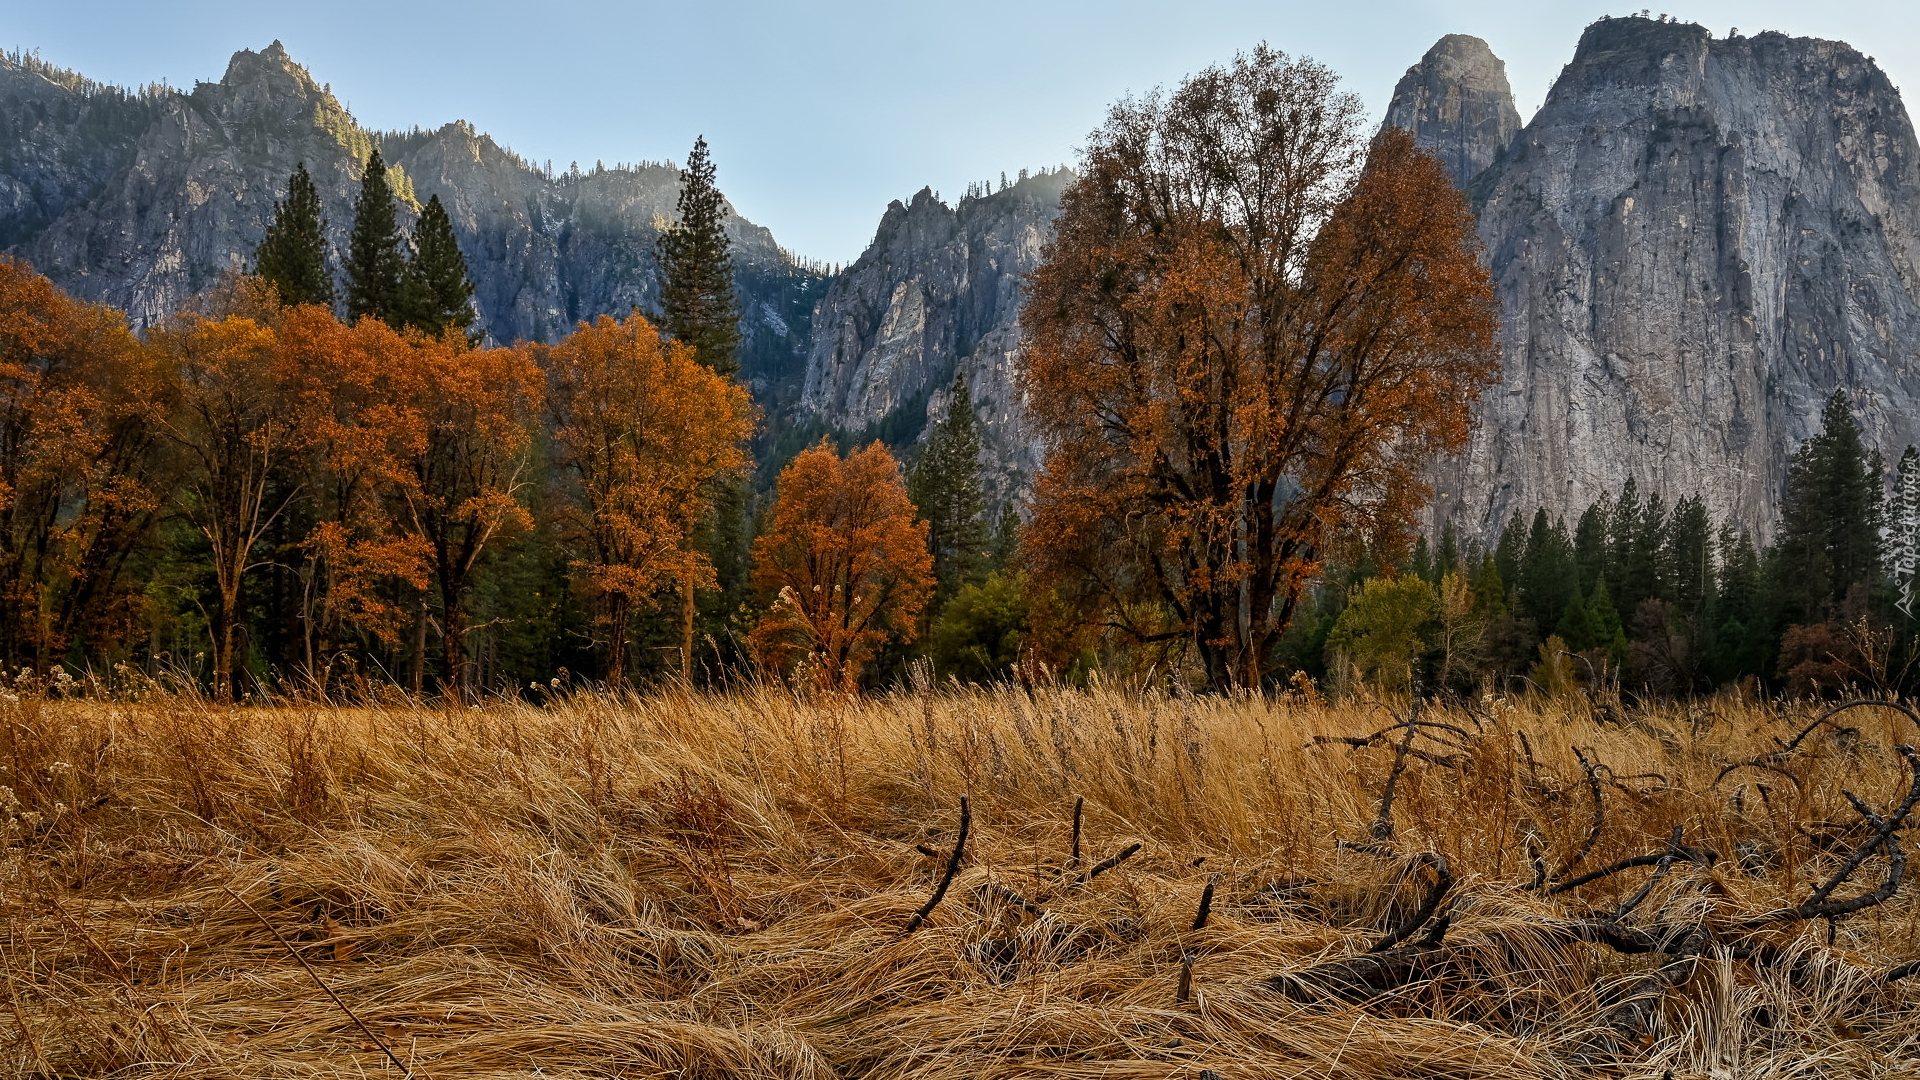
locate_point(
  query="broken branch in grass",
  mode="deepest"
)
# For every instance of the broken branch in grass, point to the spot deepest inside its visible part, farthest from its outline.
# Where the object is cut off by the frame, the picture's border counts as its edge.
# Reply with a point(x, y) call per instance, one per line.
point(1599, 817)
point(1107, 864)
point(946, 879)
point(1675, 849)
point(1206, 904)
point(1073, 851)
point(1442, 882)
point(321, 983)
point(1383, 822)
point(1818, 905)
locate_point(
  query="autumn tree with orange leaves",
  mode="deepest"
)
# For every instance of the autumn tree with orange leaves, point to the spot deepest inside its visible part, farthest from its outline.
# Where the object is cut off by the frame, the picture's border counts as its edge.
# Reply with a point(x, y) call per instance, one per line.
point(1251, 334)
point(236, 429)
point(460, 486)
point(641, 430)
point(842, 564)
point(80, 482)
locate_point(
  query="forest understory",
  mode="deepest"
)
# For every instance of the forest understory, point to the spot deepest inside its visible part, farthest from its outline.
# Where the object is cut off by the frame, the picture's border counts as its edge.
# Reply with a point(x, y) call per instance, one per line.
point(965, 883)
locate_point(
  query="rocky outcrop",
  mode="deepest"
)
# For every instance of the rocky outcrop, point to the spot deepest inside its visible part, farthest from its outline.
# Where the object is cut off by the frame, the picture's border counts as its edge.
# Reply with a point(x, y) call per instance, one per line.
point(144, 199)
point(937, 292)
point(1457, 104)
point(1695, 242)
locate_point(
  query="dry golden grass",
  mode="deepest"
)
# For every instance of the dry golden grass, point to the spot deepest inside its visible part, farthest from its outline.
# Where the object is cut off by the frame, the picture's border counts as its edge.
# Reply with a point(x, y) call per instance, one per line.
point(708, 886)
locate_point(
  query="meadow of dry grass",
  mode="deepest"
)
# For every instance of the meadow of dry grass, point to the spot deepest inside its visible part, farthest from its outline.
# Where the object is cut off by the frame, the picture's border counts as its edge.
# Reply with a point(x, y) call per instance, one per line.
point(717, 886)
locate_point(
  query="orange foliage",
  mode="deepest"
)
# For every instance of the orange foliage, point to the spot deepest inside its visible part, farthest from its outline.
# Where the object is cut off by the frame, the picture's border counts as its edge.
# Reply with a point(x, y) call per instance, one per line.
point(642, 431)
point(462, 473)
point(844, 564)
point(236, 430)
point(79, 485)
point(361, 429)
point(1243, 342)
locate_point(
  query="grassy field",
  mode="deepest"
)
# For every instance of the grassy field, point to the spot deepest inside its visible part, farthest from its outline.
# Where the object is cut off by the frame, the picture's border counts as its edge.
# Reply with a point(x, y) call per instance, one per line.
point(722, 886)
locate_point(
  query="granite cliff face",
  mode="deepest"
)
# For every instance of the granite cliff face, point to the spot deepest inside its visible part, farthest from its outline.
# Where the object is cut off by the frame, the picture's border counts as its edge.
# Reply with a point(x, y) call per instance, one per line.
point(143, 199)
point(937, 292)
point(1695, 242)
point(1457, 104)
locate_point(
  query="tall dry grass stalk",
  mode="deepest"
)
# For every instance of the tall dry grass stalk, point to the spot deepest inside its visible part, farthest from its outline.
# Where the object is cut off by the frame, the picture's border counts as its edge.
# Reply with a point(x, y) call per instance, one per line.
point(695, 886)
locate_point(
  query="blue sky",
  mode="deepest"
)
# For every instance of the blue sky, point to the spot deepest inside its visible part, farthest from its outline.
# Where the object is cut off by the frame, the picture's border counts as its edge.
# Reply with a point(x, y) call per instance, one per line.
point(818, 114)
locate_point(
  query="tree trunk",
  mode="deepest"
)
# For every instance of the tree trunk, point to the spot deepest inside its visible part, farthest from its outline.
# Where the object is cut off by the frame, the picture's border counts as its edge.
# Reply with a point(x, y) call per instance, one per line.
point(419, 665)
point(453, 638)
point(223, 647)
point(686, 630)
point(617, 642)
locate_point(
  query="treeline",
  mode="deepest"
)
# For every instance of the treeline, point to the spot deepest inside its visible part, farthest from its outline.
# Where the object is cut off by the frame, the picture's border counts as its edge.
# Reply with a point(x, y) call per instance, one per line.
point(317, 478)
point(1641, 595)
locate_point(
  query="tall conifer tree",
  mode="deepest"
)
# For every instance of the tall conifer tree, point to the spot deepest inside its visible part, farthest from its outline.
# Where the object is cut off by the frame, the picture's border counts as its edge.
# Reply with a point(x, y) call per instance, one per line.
point(376, 263)
point(293, 254)
point(436, 293)
point(945, 486)
point(697, 301)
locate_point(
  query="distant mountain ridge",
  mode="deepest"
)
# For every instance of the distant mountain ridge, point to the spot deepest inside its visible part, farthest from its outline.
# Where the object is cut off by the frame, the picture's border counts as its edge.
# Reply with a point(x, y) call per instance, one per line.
point(143, 199)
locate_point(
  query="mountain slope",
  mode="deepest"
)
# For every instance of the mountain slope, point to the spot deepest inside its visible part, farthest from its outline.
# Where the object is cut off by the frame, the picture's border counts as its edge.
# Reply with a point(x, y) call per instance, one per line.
point(142, 200)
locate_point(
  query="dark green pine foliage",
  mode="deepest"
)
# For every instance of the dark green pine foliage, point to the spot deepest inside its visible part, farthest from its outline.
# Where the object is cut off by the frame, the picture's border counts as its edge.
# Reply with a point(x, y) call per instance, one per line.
point(1576, 626)
point(697, 301)
point(1448, 558)
point(945, 485)
point(436, 295)
point(293, 254)
point(1548, 580)
point(1006, 538)
point(1686, 558)
point(1422, 564)
point(1608, 633)
point(1829, 521)
point(1590, 547)
point(376, 264)
point(1738, 645)
point(1512, 547)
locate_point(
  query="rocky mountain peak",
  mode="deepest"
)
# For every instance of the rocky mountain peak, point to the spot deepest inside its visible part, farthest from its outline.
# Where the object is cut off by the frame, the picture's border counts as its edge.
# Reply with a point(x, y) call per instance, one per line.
point(1695, 242)
point(1456, 102)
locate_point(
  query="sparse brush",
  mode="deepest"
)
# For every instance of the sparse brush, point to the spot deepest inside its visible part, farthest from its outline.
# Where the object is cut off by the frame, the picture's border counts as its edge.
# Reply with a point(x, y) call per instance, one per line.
point(717, 887)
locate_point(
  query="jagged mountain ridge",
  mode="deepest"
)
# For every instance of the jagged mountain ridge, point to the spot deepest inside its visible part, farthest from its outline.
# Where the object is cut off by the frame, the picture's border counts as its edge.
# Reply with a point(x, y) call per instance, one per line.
point(142, 200)
point(1695, 242)
point(937, 293)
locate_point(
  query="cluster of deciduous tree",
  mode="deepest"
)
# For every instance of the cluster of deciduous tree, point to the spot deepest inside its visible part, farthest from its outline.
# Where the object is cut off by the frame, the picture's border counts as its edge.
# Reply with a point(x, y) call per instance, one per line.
point(261, 491)
point(1638, 594)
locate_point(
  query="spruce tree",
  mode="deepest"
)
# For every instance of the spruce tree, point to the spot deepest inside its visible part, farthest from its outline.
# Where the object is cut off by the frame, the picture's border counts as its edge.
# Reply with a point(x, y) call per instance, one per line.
point(1590, 543)
point(945, 485)
point(1006, 538)
point(376, 264)
point(1829, 521)
point(293, 254)
point(697, 301)
point(1449, 558)
point(435, 292)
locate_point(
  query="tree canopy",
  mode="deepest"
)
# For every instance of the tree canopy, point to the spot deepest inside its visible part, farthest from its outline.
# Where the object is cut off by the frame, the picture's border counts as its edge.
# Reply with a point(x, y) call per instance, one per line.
point(1252, 331)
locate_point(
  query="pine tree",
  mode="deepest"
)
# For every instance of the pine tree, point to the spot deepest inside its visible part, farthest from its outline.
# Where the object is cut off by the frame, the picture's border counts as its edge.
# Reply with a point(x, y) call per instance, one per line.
point(1006, 538)
point(293, 254)
point(1901, 533)
point(1686, 561)
point(1547, 576)
point(1829, 521)
point(697, 300)
point(945, 486)
point(376, 264)
point(1449, 555)
point(436, 294)
point(1590, 543)
point(1608, 634)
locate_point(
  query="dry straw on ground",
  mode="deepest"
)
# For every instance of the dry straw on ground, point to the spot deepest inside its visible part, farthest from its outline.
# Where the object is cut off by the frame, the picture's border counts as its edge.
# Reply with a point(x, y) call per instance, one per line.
point(719, 887)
